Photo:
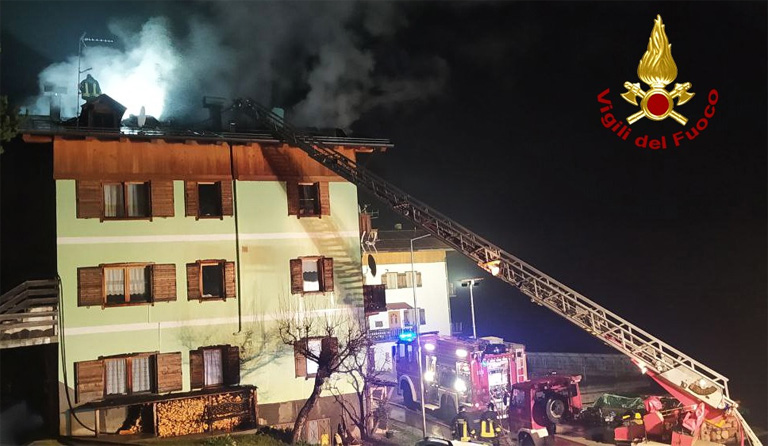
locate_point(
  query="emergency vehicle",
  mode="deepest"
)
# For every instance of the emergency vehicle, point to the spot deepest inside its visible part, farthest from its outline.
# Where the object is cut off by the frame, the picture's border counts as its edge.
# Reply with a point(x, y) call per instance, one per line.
point(459, 372)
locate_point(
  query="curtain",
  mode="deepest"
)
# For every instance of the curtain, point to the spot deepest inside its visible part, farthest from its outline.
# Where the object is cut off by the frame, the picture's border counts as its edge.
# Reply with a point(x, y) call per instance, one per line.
point(315, 347)
point(115, 281)
point(116, 378)
point(140, 372)
point(137, 200)
point(138, 281)
point(213, 367)
point(113, 200)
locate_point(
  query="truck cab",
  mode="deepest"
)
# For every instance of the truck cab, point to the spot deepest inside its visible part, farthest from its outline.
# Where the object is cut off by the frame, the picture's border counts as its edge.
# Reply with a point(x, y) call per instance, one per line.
point(537, 406)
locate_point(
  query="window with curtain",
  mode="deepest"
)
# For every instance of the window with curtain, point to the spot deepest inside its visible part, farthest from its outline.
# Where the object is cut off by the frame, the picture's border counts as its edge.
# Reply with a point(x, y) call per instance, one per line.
point(315, 346)
point(140, 374)
point(115, 284)
point(310, 274)
point(126, 200)
point(139, 287)
point(116, 376)
point(213, 367)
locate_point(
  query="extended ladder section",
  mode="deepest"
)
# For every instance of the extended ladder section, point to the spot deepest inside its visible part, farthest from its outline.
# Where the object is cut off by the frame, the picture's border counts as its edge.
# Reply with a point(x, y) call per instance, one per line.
point(647, 351)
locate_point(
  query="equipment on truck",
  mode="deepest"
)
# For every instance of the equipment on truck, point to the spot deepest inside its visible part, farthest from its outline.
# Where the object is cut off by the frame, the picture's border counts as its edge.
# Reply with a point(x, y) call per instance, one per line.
point(459, 372)
point(691, 382)
point(538, 405)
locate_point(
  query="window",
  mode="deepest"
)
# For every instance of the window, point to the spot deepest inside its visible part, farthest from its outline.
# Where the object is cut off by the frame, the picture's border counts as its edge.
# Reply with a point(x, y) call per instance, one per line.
point(311, 275)
point(126, 200)
point(210, 279)
point(127, 375)
point(208, 199)
point(126, 284)
point(307, 350)
point(309, 202)
point(308, 199)
point(393, 280)
point(214, 366)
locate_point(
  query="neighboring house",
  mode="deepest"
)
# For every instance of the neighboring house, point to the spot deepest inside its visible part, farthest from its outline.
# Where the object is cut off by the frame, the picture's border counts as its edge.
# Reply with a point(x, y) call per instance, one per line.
point(391, 251)
point(177, 252)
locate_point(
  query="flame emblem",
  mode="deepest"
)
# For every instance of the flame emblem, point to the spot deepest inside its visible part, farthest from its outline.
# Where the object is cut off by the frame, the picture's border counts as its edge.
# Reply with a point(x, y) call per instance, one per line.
point(657, 68)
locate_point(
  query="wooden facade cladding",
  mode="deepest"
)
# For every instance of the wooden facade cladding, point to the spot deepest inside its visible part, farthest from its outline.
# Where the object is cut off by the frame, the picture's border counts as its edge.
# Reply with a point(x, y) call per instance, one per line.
point(126, 159)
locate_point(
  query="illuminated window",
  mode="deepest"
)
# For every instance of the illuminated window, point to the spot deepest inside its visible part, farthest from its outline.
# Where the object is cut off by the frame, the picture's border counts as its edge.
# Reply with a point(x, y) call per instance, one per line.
point(127, 284)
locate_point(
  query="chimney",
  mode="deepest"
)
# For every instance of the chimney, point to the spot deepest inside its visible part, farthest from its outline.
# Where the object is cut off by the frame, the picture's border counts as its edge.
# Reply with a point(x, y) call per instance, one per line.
point(54, 97)
point(214, 105)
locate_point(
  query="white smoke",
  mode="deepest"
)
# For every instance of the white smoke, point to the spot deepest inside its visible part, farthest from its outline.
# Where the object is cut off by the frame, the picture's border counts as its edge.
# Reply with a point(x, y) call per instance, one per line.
point(317, 59)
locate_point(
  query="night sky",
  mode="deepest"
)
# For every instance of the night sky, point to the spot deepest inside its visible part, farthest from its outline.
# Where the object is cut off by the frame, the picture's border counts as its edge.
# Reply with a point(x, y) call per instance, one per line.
point(512, 147)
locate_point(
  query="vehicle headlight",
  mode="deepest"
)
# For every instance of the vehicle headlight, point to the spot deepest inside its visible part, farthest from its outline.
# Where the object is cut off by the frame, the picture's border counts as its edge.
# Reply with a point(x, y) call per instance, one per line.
point(460, 385)
point(429, 376)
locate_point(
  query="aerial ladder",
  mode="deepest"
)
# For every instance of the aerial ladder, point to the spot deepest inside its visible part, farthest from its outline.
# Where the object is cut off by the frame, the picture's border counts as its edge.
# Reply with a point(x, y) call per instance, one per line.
point(688, 380)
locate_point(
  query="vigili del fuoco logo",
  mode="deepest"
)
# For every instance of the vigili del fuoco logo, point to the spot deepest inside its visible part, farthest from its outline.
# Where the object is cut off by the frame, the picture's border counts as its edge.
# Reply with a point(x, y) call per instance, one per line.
point(657, 69)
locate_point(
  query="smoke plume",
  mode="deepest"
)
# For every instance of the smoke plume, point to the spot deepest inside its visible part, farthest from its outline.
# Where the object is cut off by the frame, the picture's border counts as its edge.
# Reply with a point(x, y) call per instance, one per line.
point(322, 61)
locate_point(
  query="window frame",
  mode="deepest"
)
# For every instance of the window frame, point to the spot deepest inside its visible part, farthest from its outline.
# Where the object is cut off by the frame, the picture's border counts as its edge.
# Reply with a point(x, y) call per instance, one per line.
point(221, 264)
point(129, 357)
point(317, 211)
point(124, 186)
point(320, 260)
point(217, 184)
point(220, 349)
point(147, 266)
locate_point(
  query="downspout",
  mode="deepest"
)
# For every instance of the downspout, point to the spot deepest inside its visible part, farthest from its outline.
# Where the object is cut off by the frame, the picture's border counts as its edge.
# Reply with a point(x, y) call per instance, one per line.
point(237, 239)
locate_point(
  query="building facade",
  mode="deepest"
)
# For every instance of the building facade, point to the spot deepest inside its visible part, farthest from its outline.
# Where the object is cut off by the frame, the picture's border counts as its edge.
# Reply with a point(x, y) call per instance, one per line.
point(178, 256)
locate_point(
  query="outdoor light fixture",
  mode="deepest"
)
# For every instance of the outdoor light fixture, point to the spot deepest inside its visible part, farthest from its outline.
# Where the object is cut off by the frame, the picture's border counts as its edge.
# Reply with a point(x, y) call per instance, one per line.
point(429, 347)
point(459, 385)
point(461, 353)
point(429, 376)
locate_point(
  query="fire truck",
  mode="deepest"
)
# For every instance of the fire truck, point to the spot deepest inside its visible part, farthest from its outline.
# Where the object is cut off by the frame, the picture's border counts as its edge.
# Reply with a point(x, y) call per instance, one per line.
point(702, 391)
point(459, 372)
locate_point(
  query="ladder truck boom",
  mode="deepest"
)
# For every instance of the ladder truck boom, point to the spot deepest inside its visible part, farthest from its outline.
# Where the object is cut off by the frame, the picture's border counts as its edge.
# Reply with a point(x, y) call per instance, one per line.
point(680, 374)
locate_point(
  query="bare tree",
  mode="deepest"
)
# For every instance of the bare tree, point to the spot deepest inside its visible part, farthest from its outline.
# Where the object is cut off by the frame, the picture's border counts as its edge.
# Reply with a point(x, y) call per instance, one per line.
point(341, 338)
point(362, 372)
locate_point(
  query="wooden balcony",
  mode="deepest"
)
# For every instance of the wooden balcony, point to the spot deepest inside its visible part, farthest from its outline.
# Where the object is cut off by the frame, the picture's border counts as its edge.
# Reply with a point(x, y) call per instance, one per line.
point(29, 314)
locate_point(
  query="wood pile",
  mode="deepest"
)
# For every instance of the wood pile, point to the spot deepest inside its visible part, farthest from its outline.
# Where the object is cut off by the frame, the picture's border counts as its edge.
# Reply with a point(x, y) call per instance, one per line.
point(725, 431)
point(202, 414)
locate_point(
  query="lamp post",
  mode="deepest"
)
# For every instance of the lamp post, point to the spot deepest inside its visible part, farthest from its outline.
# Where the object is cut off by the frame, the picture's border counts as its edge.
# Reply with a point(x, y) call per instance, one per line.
point(471, 284)
point(417, 318)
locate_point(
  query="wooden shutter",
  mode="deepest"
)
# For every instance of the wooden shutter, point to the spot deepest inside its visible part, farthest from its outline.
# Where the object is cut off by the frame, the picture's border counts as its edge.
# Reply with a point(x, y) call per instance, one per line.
point(324, 195)
point(230, 289)
point(164, 282)
point(292, 191)
point(89, 284)
point(327, 267)
point(162, 198)
point(190, 199)
point(231, 361)
point(193, 281)
point(297, 281)
point(402, 281)
point(226, 197)
point(90, 198)
point(299, 360)
point(168, 371)
point(196, 369)
point(89, 381)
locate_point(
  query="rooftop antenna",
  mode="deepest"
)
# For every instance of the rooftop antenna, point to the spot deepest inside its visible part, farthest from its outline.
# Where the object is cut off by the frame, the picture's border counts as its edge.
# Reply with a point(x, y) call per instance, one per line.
point(80, 45)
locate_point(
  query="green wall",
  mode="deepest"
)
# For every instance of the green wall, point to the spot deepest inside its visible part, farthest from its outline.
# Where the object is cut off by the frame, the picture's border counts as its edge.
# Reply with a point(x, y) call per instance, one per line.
point(269, 238)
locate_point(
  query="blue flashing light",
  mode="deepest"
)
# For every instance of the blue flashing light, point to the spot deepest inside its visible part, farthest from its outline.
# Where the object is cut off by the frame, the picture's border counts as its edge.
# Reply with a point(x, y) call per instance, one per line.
point(407, 336)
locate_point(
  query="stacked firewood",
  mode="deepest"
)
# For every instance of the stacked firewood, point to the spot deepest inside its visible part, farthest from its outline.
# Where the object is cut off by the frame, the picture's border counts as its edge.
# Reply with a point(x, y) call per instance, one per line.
point(201, 414)
point(181, 417)
point(726, 431)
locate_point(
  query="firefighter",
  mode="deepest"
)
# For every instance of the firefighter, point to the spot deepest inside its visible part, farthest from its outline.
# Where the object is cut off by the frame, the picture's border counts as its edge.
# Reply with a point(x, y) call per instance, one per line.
point(89, 88)
point(462, 430)
point(489, 426)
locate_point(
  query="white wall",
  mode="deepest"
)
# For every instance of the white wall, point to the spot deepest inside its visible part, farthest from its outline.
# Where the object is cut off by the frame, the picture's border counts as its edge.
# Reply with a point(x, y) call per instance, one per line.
point(432, 295)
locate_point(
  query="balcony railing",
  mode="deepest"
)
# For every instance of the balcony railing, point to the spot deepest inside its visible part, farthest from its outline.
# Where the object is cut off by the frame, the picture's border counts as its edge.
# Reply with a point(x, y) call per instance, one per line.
point(29, 314)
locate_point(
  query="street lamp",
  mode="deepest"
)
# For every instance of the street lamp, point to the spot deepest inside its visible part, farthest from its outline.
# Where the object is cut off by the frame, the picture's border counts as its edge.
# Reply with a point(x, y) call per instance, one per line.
point(471, 284)
point(417, 318)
